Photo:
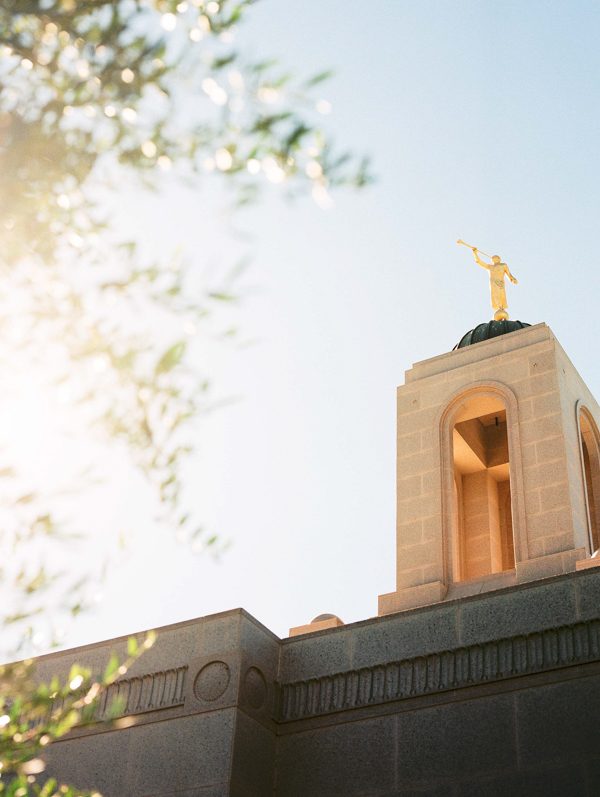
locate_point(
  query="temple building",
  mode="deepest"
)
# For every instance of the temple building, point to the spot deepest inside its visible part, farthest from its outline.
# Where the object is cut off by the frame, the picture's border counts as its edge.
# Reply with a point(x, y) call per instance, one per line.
point(481, 673)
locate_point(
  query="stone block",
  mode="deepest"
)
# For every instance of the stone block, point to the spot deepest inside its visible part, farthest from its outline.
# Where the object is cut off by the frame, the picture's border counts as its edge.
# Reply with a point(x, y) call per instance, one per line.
point(561, 543)
point(457, 740)
point(219, 790)
point(544, 474)
point(547, 404)
point(410, 578)
point(535, 548)
point(431, 482)
point(413, 464)
point(429, 789)
point(259, 642)
point(429, 437)
point(83, 762)
point(433, 393)
point(551, 523)
point(412, 597)
point(405, 635)
point(410, 533)
point(418, 420)
point(174, 647)
point(409, 444)
point(525, 409)
point(529, 456)
point(587, 587)
point(592, 771)
point(587, 564)
point(542, 362)
point(408, 487)
point(409, 401)
point(488, 583)
point(311, 628)
point(221, 632)
point(540, 782)
point(555, 496)
point(253, 763)
point(323, 653)
point(516, 611)
point(510, 368)
point(431, 573)
point(550, 449)
point(179, 754)
point(432, 528)
point(548, 565)
point(533, 505)
point(558, 721)
point(347, 760)
point(417, 508)
point(535, 384)
point(418, 555)
point(536, 429)
point(173, 756)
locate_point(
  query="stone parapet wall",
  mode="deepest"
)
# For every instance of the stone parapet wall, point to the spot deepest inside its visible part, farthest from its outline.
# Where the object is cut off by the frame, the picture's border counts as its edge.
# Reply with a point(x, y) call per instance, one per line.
point(445, 699)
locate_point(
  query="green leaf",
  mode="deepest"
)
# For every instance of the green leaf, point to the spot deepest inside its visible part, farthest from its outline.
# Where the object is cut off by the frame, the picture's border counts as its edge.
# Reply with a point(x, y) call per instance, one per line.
point(66, 723)
point(170, 358)
point(320, 77)
point(221, 296)
point(219, 63)
point(111, 668)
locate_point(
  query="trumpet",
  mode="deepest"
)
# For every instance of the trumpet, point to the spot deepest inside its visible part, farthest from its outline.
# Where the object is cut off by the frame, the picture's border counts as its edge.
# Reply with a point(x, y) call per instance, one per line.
point(464, 243)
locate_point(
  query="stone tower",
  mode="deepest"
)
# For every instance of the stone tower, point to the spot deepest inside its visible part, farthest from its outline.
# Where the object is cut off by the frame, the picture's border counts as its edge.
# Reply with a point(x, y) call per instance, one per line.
point(498, 469)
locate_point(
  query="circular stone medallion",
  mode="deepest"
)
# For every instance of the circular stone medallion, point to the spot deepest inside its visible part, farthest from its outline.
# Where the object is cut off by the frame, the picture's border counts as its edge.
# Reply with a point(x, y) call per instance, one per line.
point(255, 687)
point(212, 681)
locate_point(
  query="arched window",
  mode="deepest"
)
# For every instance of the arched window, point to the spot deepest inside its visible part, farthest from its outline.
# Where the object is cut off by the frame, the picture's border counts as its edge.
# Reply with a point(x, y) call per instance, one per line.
point(590, 455)
point(482, 524)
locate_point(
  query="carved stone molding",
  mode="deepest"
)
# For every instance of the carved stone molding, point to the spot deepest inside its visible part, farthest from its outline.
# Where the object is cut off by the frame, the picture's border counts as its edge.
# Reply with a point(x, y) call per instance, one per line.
point(162, 689)
point(452, 669)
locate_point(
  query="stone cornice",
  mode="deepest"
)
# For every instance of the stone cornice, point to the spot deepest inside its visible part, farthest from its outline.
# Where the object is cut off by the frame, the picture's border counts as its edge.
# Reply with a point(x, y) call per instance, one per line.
point(497, 660)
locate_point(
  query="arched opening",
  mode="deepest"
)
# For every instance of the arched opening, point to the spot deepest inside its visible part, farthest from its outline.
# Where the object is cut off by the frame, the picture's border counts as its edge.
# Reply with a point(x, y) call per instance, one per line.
point(483, 527)
point(590, 455)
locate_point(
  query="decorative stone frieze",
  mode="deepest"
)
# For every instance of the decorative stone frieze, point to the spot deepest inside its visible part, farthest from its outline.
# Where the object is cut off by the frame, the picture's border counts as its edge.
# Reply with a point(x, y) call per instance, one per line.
point(157, 690)
point(452, 669)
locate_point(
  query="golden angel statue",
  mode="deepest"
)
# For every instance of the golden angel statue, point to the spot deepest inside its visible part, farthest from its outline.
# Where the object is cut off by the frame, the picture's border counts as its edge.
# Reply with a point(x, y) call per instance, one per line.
point(497, 270)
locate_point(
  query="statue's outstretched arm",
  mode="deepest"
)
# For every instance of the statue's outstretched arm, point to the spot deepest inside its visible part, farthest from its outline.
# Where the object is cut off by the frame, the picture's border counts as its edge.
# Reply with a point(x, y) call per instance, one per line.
point(479, 261)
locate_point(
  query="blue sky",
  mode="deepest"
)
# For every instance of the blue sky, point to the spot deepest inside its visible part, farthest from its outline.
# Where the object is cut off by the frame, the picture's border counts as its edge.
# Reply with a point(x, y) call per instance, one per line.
point(482, 119)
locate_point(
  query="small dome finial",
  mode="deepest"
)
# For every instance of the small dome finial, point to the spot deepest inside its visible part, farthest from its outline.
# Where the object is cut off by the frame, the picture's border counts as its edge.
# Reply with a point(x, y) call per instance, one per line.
point(488, 330)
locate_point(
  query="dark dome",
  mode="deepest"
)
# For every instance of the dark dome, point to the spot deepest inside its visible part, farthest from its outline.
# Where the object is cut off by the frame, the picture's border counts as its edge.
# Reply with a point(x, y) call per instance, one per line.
point(491, 329)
